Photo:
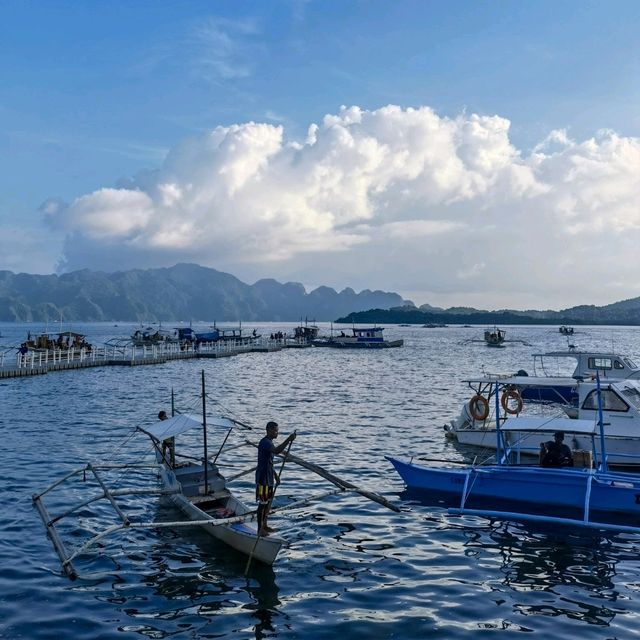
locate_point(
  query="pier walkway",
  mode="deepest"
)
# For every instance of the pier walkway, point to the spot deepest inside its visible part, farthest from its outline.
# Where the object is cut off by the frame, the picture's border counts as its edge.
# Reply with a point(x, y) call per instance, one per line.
point(16, 365)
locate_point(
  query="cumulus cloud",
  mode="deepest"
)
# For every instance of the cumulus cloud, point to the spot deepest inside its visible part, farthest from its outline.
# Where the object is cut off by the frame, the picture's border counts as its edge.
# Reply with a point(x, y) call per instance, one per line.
point(398, 198)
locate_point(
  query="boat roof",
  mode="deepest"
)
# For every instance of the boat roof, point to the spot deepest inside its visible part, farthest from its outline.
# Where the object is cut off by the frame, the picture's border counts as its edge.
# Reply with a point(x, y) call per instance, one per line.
point(182, 423)
point(524, 381)
point(550, 425)
point(573, 353)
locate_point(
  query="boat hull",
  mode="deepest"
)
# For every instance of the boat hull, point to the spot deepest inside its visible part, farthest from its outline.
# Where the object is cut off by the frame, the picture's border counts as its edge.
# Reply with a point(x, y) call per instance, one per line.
point(613, 494)
point(242, 536)
point(339, 344)
point(621, 451)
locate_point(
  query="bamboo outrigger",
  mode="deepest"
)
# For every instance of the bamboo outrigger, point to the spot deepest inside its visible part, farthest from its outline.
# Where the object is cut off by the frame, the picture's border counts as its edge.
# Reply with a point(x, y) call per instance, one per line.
point(195, 486)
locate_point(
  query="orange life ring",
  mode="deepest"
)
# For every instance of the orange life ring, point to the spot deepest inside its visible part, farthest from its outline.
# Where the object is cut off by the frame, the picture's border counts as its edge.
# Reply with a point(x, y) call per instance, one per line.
point(511, 394)
point(479, 407)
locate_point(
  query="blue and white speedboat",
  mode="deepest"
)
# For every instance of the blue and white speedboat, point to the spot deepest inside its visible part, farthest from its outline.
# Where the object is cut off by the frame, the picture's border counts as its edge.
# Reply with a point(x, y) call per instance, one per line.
point(476, 424)
point(367, 338)
point(578, 495)
point(555, 373)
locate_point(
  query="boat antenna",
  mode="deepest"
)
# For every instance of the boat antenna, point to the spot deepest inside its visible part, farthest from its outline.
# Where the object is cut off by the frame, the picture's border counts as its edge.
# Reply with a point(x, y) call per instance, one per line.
point(173, 403)
point(603, 455)
point(498, 432)
point(204, 436)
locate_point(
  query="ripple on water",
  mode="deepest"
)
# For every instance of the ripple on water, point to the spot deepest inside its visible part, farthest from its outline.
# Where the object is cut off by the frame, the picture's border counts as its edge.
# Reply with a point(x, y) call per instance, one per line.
point(352, 567)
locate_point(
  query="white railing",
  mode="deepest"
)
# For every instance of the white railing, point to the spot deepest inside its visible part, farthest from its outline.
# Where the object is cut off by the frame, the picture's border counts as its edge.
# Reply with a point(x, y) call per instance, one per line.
point(130, 353)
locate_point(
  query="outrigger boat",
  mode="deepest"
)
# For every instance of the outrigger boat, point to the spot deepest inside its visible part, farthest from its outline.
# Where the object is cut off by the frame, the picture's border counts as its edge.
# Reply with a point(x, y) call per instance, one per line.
point(366, 338)
point(582, 496)
point(620, 406)
point(192, 483)
point(496, 338)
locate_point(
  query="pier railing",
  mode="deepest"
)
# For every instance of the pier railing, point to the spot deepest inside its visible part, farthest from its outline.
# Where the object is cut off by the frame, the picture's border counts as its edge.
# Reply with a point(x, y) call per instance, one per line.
point(128, 353)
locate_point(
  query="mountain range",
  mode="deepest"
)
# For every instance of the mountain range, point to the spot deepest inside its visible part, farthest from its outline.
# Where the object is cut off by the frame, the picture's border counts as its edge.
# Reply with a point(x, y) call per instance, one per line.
point(182, 292)
point(190, 292)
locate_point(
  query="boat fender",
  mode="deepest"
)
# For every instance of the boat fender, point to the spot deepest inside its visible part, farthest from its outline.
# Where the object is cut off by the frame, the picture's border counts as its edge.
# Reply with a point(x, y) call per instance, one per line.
point(479, 407)
point(514, 395)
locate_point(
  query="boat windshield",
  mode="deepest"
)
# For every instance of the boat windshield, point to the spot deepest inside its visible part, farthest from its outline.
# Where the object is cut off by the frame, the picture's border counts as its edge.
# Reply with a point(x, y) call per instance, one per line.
point(611, 401)
point(630, 363)
point(632, 395)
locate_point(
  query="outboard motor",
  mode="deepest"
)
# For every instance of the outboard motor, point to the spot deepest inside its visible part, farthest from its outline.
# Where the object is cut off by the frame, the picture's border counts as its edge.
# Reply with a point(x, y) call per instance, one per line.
point(463, 421)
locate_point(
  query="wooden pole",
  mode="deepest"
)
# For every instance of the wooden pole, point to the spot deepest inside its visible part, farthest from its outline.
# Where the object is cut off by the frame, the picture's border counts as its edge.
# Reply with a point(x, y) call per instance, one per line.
point(339, 482)
point(204, 438)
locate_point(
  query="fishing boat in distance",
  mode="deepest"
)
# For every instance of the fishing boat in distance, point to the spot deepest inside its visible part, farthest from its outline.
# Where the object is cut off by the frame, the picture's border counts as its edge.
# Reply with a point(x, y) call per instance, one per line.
point(150, 336)
point(508, 489)
point(365, 338)
point(189, 479)
point(477, 423)
point(494, 337)
point(63, 341)
point(305, 333)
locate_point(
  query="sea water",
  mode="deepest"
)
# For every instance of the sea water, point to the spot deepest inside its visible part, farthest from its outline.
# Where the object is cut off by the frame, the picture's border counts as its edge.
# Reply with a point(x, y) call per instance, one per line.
point(352, 568)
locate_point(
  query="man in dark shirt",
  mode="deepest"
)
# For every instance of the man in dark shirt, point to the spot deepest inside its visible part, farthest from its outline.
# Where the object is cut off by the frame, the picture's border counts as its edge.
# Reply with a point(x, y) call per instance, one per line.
point(555, 453)
point(266, 476)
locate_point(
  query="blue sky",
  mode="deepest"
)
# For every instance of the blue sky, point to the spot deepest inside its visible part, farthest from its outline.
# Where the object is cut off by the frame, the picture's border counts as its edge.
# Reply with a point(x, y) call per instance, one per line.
point(103, 102)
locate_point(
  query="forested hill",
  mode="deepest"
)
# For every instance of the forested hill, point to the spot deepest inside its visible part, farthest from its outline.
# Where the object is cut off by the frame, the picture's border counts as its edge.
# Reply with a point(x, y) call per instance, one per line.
point(626, 312)
point(182, 292)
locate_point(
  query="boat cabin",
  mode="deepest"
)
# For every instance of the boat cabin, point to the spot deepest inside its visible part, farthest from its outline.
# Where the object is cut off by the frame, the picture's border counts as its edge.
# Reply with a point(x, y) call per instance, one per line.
point(587, 364)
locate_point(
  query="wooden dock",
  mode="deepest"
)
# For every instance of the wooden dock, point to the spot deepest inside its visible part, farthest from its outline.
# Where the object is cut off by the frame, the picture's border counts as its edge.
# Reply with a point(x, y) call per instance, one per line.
point(40, 363)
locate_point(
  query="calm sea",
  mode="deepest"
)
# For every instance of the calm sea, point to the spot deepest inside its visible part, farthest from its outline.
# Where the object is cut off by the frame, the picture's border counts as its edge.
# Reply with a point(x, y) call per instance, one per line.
point(353, 569)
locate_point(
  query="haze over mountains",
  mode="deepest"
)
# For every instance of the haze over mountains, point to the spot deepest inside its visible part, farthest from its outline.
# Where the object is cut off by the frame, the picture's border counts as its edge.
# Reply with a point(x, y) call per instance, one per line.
point(190, 292)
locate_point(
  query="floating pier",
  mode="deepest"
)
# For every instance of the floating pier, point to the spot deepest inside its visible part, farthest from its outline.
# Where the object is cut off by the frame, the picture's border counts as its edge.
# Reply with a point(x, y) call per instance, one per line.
point(34, 363)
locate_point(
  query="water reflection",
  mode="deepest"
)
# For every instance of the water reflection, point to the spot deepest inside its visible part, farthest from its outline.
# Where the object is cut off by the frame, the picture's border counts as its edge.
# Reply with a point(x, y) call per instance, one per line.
point(575, 567)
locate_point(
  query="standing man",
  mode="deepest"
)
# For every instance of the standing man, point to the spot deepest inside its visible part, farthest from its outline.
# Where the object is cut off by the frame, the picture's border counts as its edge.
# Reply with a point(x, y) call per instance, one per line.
point(266, 477)
point(168, 445)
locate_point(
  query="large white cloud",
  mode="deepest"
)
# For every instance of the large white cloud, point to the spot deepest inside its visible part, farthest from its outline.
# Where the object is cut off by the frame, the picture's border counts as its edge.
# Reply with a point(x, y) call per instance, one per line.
point(444, 208)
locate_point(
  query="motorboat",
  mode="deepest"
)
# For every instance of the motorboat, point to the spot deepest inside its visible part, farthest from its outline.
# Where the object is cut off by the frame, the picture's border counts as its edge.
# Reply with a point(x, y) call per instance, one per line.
point(476, 423)
point(558, 372)
point(587, 494)
point(494, 337)
point(151, 336)
point(359, 338)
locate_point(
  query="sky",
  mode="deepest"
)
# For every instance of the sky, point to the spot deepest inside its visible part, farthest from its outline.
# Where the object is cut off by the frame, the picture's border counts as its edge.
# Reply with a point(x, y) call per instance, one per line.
point(468, 153)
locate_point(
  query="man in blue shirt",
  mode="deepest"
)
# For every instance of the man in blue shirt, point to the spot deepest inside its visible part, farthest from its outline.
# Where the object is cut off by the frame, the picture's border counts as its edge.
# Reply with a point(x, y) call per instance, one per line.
point(266, 476)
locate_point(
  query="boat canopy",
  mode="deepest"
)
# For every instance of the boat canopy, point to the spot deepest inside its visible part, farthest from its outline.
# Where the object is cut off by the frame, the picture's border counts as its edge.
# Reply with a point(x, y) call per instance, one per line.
point(181, 424)
point(550, 425)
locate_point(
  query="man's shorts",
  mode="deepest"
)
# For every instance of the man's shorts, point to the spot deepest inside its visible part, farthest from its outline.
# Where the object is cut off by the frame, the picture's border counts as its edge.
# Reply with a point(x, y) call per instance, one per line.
point(264, 493)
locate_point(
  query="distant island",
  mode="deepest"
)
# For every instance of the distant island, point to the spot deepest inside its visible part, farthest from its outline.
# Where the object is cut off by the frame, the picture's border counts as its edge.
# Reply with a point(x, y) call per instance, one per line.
point(626, 313)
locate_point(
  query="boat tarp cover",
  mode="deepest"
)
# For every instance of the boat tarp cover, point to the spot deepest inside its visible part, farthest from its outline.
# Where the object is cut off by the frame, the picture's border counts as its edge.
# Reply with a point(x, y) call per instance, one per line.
point(181, 423)
point(550, 425)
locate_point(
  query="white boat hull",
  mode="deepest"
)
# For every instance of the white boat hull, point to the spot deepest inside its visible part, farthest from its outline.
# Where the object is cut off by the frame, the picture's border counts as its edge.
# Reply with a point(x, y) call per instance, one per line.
point(241, 536)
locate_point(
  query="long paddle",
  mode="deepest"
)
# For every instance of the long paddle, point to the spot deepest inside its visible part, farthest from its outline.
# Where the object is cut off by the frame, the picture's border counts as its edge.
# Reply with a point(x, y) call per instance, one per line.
point(255, 544)
point(339, 482)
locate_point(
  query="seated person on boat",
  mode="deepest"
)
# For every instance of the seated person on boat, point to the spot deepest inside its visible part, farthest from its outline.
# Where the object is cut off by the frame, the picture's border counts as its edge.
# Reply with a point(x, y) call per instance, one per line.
point(555, 453)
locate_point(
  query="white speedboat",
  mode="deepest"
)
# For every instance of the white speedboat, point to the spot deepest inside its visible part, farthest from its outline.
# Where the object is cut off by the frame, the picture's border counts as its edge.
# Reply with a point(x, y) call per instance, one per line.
point(558, 372)
point(620, 406)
